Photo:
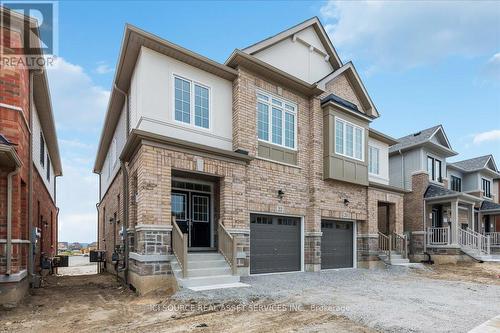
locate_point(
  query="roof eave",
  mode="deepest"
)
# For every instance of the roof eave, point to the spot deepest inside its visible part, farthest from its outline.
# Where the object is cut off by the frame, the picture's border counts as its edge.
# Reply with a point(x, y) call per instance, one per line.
point(240, 58)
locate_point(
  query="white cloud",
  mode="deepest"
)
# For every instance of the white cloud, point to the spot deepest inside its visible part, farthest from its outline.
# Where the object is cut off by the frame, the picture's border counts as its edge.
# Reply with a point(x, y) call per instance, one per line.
point(399, 35)
point(491, 70)
point(79, 107)
point(493, 135)
point(103, 68)
point(79, 104)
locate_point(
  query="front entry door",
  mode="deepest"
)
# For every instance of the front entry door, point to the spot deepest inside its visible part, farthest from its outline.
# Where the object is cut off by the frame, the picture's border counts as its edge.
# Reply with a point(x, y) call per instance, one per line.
point(192, 212)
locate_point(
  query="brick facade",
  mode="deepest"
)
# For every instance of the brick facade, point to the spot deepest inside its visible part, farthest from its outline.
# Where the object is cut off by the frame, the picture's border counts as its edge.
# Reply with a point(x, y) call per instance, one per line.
point(15, 126)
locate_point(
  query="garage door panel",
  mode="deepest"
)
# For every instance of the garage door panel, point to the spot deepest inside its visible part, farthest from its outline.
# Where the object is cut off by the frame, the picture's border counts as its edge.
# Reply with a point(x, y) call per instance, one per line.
point(275, 244)
point(336, 244)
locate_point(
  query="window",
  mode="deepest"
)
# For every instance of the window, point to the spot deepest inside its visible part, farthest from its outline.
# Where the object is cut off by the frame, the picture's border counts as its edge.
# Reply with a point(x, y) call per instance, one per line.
point(184, 100)
point(42, 150)
point(373, 160)
point(200, 208)
point(434, 168)
point(486, 187)
point(276, 121)
point(456, 184)
point(48, 168)
point(349, 139)
point(113, 154)
point(200, 106)
point(179, 206)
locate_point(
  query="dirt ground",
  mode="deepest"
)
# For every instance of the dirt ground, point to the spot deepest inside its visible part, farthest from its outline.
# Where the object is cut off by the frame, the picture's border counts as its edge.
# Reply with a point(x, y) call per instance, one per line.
point(469, 272)
point(91, 303)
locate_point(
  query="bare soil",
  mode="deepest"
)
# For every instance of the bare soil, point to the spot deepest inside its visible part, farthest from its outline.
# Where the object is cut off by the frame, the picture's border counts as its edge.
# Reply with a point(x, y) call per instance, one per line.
point(488, 273)
point(90, 303)
point(97, 303)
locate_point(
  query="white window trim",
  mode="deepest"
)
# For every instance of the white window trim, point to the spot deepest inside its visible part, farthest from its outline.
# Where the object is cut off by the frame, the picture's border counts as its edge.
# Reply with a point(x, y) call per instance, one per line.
point(270, 115)
point(362, 159)
point(483, 190)
point(192, 83)
point(378, 160)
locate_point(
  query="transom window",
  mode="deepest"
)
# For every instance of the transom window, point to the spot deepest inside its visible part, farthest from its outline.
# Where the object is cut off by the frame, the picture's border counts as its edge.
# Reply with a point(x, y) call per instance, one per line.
point(373, 160)
point(486, 187)
point(434, 168)
point(349, 139)
point(456, 184)
point(276, 121)
point(191, 109)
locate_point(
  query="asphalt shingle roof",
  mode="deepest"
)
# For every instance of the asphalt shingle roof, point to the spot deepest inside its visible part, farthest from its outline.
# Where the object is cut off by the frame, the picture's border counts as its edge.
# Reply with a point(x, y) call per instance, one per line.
point(473, 163)
point(488, 205)
point(415, 138)
point(4, 141)
point(437, 191)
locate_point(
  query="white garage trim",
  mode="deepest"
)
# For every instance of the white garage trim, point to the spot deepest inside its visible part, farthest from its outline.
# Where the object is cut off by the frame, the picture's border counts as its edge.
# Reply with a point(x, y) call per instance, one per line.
point(302, 242)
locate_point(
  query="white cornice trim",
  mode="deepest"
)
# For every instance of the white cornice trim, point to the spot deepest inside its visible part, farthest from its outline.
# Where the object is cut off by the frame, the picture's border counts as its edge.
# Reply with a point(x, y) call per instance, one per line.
point(16, 277)
point(153, 227)
point(149, 257)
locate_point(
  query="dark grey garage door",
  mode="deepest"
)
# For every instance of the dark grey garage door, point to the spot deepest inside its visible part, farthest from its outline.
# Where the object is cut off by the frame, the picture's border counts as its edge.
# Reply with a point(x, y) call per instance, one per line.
point(274, 244)
point(336, 244)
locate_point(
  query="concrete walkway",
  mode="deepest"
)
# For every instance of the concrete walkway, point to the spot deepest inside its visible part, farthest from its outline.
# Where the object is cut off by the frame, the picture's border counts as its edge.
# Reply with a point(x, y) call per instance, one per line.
point(490, 326)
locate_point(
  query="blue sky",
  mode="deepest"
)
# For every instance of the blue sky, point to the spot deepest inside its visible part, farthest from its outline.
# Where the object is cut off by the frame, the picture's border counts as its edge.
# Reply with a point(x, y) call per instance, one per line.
point(423, 63)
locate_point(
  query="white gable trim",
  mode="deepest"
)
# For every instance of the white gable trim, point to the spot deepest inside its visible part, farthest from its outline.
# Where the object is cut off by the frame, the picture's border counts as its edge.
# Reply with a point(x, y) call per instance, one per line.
point(333, 57)
point(440, 129)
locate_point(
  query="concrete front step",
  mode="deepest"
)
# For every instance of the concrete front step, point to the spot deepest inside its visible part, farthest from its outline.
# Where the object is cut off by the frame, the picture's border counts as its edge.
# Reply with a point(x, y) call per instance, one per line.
point(206, 270)
point(208, 280)
point(202, 256)
point(211, 271)
point(203, 264)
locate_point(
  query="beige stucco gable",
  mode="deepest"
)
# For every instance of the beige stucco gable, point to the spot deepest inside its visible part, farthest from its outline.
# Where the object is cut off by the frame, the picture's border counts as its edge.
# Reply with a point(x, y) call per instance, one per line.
point(301, 55)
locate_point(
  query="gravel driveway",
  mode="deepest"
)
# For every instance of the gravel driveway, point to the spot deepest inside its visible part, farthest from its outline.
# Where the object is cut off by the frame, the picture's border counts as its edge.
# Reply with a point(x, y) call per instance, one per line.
point(395, 299)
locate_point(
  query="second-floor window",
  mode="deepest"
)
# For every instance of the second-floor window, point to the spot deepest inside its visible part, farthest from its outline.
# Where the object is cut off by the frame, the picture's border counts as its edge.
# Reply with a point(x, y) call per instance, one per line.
point(373, 160)
point(349, 139)
point(276, 121)
point(48, 168)
point(434, 168)
point(42, 150)
point(486, 187)
point(456, 184)
point(191, 108)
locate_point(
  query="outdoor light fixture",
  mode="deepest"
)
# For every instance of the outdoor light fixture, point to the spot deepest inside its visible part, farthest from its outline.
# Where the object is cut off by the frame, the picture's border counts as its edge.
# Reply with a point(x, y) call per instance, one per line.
point(281, 194)
point(346, 202)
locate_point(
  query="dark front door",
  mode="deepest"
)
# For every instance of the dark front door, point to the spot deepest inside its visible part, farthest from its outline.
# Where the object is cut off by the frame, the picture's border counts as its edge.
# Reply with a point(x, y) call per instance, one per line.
point(337, 245)
point(275, 243)
point(193, 215)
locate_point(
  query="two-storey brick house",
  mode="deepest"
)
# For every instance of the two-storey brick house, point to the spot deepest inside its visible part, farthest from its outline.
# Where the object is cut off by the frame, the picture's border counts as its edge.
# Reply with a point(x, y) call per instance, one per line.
point(266, 163)
point(29, 164)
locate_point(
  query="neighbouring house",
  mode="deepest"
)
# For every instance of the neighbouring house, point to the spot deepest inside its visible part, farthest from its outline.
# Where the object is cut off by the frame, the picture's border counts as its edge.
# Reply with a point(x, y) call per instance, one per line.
point(266, 163)
point(62, 246)
point(446, 200)
point(29, 165)
point(478, 176)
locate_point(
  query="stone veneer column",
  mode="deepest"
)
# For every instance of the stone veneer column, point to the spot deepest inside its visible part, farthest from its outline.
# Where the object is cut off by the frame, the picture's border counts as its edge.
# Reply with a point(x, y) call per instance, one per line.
point(149, 264)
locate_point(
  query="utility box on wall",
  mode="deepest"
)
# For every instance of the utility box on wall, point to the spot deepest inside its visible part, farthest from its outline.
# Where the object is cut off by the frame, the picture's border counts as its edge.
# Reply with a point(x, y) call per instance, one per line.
point(97, 256)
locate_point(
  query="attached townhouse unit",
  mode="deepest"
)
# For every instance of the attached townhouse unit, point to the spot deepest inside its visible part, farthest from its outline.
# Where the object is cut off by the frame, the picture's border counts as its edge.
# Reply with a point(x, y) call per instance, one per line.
point(450, 207)
point(29, 165)
point(266, 163)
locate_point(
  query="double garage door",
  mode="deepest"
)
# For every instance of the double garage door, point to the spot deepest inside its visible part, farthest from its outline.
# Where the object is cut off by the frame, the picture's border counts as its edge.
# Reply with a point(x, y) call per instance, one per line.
point(275, 244)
